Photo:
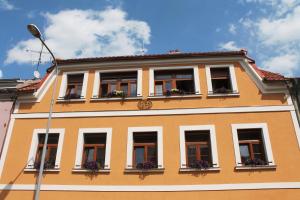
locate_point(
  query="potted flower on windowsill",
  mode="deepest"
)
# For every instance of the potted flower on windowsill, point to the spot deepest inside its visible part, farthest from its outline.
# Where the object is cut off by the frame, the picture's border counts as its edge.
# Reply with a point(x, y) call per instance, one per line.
point(92, 166)
point(72, 96)
point(200, 164)
point(174, 91)
point(146, 165)
point(47, 165)
point(254, 162)
point(117, 93)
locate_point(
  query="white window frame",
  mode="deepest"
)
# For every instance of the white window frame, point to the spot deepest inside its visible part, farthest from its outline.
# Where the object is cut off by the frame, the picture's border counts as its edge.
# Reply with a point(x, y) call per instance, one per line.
point(232, 78)
point(158, 130)
point(196, 77)
point(213, 143)
point(80, 143)
point(97, 80)
point(265, 137)
point(64, 83)
point(35, 142)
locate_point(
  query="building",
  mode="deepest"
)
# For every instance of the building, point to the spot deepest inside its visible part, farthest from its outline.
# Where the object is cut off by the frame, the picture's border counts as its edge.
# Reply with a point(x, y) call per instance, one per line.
point(169, 126)
point(8, 95)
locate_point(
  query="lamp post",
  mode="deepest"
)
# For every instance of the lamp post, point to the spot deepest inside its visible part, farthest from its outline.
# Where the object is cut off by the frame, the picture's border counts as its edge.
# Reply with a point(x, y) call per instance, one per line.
point(33, 29)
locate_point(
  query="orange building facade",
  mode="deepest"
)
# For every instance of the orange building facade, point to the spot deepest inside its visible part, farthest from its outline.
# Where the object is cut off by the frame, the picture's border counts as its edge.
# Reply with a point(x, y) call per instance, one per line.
point(185, 125)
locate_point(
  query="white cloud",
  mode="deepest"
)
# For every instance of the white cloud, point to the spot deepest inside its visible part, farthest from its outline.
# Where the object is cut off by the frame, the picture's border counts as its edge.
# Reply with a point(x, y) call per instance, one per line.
point(86, 33)
point(284, 64)
point(230, 46)
point(1, 73)
point(280, 30)
point(232, 29)
point(5, 5)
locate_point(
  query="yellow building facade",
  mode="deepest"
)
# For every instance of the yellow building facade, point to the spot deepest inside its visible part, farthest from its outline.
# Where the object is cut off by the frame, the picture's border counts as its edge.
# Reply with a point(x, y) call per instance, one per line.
point(184, 125)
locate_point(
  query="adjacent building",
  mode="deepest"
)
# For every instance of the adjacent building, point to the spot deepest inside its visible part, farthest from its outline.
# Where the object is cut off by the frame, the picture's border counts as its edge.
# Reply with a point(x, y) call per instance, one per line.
point(169, 126)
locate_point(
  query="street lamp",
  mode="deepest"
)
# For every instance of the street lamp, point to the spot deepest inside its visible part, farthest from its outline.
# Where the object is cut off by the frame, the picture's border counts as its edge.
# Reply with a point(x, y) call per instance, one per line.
point(33, 29)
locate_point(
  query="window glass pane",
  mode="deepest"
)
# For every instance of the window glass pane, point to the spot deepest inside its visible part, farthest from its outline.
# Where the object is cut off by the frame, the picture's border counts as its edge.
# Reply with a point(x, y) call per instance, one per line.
point(168, 85)
point(95, 138)
point(163, 76)
point(159, 88)
point(52, 156)
point(197, 136)
point(101, 156)
point(152, 154)
point(124, 88)
point(185, 85)
point(139, 155)
point(52, 138)
point(245, 152)
point(89, 154)
point(204, 150)
point(133, 89)
point(145, 137)
point(113, 87)
point(220, 73)
point(192, 154)
point(250, 134)
point(104, 89)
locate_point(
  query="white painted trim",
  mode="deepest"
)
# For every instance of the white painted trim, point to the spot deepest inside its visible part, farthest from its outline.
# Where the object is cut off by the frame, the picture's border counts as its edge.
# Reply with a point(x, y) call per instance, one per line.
point(191, 111)
point(195, 74)
point(64, 82)
point(80, 142)
point(213, 142)
point(34, 144)
point(265, 137)
point(40, 93)
point(296, 125)
point(6, 144)
point(155, 188)
point(231, 72)
point(158, 130)
point(97, 80)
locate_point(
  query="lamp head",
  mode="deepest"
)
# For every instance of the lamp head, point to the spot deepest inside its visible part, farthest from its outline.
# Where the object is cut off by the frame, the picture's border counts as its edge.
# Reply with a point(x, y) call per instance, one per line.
point(33, 29)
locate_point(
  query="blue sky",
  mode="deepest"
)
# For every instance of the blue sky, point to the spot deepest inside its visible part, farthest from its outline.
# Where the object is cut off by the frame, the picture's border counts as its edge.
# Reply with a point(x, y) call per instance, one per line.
point(268, 29)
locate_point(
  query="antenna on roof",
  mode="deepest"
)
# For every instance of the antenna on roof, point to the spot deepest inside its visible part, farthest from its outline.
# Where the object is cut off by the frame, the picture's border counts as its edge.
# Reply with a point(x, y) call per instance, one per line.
point(143, 50)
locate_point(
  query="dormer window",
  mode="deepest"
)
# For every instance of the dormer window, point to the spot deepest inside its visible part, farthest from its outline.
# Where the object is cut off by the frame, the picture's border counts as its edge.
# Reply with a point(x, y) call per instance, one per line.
point(221, 80)
point(73, 85)
point(174, 81)
point(118, 84)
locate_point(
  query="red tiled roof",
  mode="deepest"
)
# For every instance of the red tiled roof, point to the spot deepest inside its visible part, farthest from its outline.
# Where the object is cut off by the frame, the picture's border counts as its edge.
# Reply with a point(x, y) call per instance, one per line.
point(266, 75)
point(31, 85)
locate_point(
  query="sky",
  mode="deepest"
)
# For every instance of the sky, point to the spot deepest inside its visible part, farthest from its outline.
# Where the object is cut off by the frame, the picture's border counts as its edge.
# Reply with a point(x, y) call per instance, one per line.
point(268, 29)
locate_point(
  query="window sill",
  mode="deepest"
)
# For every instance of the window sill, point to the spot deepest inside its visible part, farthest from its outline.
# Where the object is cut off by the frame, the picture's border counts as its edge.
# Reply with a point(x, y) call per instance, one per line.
point(159, 170)
point(264, 167)
point(45, 170)
point(89, 171)
point(69, 100)
point(116, 99)
point(223, 95)
point(175, 96)
point(212, 169)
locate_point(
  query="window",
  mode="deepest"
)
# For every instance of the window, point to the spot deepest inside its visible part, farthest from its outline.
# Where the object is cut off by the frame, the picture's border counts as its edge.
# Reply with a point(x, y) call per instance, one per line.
point(168, 81)
point(50, 152)
point(73, 85)
point(124, 82)
point(144, 148)
point(252, 145)
point(198, 147)
point(221, 79)
point(54, 148)
point(174, 82)
point(118, 83)
point(93, 148)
